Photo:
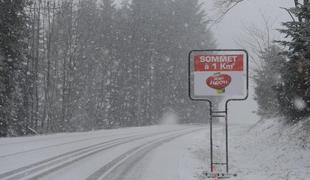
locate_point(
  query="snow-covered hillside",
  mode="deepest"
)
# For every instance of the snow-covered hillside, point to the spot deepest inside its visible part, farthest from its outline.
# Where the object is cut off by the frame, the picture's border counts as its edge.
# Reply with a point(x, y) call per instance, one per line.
point(269, 150)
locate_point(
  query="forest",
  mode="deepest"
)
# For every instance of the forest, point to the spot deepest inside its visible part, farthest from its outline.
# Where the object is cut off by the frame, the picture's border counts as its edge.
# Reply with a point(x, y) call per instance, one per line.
point(84, 65)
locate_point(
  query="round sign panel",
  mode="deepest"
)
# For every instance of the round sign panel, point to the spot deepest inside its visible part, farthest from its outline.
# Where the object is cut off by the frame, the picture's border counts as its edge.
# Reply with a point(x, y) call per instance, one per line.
point(218, 73)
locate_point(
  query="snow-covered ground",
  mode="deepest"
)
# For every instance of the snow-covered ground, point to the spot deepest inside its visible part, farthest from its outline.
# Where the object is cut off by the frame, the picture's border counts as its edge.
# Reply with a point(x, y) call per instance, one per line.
point(271, 150)
point(268, 151)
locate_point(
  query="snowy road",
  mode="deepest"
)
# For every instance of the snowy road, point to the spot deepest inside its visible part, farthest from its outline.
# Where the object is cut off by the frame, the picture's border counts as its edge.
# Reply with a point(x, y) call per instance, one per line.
point(176, 152)
point(132, 153)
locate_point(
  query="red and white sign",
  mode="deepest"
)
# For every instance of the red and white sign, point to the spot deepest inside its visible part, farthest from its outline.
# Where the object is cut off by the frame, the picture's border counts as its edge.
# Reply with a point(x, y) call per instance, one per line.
point(218, 73)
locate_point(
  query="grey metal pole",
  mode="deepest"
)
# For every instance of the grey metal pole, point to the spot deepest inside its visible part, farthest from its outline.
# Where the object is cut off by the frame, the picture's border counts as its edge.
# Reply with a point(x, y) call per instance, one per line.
point(226, 132)
point(211, 139)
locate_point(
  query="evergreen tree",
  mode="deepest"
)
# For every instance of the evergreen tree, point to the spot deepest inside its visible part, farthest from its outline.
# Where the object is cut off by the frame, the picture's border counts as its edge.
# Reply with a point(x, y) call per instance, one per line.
point(111, 41)
point(267, 78)
point(296, 70)
point(13, 65)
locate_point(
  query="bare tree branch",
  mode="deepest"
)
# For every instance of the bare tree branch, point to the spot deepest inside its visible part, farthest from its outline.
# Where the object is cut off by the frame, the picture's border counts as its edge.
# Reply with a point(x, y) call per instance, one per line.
point(225, 6)
point(289, 12)
point(257, 40)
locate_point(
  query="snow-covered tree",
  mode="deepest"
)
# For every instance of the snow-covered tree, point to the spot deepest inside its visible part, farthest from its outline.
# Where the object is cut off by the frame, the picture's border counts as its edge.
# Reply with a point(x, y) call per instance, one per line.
point(297, 68)
point(13, 67)
point(266, 79)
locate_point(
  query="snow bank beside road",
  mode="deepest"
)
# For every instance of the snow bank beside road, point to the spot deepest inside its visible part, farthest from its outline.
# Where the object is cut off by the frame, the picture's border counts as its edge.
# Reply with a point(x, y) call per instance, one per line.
point(270, 151)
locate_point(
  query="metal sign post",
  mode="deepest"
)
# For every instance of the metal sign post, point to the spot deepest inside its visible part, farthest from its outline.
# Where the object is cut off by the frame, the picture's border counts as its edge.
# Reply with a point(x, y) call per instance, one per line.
point(218, 75)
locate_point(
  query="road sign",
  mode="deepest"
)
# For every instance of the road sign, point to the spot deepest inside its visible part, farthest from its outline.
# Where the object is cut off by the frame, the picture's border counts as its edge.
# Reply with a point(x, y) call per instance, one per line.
point(218, 73)
point(214, 76)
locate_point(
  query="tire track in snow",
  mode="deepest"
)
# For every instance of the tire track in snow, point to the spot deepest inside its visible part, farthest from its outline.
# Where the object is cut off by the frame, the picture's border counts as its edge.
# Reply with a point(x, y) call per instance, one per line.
point(55, 137)
point(20, 172)
point(54, 145)
point(110, 170)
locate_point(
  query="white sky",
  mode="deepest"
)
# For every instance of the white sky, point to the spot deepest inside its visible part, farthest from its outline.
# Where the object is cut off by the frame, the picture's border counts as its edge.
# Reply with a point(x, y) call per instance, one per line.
point(246, 13)
point(231, 28)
